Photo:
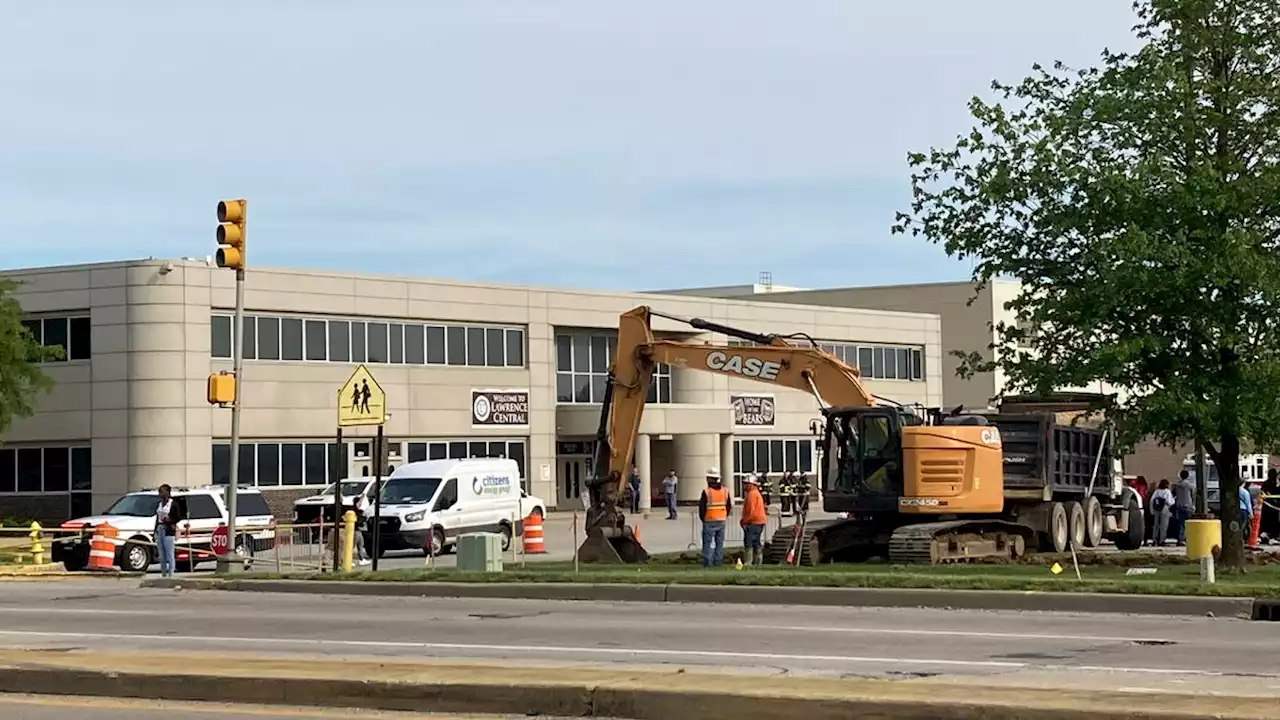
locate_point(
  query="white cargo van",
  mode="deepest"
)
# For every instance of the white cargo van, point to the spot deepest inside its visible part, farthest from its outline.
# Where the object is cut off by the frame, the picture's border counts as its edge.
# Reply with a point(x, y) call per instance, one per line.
point(428, 504)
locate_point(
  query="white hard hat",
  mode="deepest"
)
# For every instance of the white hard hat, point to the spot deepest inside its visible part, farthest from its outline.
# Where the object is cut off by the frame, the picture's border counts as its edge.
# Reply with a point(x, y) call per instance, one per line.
point(751, 478)
point(713, 472)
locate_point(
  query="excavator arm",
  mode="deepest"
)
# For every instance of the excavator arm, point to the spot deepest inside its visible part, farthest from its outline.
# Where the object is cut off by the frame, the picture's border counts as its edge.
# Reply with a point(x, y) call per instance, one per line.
point(772, 359)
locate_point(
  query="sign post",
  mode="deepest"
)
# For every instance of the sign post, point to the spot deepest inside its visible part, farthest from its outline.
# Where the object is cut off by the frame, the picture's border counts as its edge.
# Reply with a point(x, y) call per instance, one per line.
point(361, 403)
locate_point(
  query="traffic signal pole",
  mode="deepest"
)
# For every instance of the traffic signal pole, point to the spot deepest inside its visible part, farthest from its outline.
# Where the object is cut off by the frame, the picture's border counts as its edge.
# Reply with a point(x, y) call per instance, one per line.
point(231, 254)
point(236, 368)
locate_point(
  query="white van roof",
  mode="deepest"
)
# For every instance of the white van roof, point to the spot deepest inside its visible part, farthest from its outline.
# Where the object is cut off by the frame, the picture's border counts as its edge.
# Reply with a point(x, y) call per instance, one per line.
point(451, 468)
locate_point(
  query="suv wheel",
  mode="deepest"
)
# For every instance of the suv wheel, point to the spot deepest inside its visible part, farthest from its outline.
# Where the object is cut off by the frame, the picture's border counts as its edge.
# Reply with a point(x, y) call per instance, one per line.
point(135, 558)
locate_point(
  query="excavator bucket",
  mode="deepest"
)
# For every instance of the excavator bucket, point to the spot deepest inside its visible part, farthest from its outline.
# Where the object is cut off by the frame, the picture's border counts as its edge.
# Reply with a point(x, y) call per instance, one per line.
point(613, 546)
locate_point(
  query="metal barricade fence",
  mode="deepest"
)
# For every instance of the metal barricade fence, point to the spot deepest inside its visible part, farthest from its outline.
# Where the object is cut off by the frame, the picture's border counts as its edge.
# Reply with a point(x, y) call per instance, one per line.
point(733, 532)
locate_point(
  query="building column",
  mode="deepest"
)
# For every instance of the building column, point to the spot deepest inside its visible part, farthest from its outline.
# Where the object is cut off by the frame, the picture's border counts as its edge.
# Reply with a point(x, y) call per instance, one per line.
point(693, 455)
point(645, 467)
point(726, 461)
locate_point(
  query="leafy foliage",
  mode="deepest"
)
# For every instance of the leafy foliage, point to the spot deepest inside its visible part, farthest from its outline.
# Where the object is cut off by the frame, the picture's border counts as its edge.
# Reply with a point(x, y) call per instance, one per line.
point(21, 380)
point(1138, 203)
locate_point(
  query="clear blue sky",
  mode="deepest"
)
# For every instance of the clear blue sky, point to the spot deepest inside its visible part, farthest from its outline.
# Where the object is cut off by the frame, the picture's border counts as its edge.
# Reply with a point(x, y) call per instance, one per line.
point(564, 142)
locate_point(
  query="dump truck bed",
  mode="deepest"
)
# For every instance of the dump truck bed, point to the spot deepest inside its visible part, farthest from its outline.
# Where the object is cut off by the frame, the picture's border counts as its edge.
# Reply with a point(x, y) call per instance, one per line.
point(1040, 453)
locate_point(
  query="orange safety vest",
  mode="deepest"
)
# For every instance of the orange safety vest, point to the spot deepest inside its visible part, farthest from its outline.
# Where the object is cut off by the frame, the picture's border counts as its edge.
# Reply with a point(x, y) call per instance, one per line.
point(717, 498)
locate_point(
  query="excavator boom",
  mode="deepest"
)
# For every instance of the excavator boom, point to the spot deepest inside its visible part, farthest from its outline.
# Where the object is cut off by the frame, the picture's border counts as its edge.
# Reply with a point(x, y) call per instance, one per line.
point(773, 359)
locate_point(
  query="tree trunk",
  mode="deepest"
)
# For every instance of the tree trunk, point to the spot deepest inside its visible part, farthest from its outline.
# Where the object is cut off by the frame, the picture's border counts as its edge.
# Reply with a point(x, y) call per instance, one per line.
point(1234, 523)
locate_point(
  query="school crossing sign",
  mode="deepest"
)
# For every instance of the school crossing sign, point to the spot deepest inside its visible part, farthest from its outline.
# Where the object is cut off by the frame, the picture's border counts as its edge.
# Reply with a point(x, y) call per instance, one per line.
point(361, 401)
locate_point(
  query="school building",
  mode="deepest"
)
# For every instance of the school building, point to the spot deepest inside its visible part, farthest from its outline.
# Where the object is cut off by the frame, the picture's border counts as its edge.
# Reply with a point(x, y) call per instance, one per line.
point(469, 370)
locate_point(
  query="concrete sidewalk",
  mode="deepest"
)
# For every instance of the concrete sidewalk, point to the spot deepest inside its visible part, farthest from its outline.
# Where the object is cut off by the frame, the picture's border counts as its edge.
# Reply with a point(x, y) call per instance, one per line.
point(620, 692)
point(1189, 606)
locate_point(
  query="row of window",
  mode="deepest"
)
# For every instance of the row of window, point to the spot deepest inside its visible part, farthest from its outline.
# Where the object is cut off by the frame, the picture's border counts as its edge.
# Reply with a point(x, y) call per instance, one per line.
point(284, 464)
point(73, 334)
point(879, 362)
point(358, 341)
point(582, 369)
point(47, 469)
point(774, 457)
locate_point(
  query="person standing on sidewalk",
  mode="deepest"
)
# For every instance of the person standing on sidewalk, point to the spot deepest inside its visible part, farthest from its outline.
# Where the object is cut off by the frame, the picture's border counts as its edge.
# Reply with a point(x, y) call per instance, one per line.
point(753, 521)
point(1184, 505)
point(1246, 511)
point(669, 492)
point(633, 484)
point(361, 539)
point(168, 515)
point(713, 508)
point(1162, 503)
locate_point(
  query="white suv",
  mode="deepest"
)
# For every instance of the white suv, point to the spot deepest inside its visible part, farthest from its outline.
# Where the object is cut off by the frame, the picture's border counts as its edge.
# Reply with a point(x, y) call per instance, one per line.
point(134, 518)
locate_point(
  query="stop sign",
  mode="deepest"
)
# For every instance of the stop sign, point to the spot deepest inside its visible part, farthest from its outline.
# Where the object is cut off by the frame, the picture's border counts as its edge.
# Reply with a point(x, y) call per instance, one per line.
point(220, 540)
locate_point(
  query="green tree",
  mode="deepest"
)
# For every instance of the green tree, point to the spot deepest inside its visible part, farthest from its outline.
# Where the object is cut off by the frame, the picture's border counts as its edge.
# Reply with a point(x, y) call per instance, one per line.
point(21, 380)
point(1138, 202)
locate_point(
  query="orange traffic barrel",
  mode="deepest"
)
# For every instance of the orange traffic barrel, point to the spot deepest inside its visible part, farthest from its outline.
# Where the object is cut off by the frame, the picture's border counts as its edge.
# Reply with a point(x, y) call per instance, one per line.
point(102, 548)
point(533, 535)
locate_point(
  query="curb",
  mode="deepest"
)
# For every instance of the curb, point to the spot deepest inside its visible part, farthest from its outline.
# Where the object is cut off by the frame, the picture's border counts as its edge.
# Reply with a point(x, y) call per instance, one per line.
point(617, 699)
point(1092, 603)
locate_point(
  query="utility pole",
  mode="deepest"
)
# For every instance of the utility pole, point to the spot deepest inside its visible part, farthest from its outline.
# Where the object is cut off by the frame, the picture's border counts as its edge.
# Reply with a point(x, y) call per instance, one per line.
point(231, 254)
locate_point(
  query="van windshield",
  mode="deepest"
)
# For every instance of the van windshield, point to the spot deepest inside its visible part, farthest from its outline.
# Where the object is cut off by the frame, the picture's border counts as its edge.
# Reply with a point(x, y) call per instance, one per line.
point(409, 491)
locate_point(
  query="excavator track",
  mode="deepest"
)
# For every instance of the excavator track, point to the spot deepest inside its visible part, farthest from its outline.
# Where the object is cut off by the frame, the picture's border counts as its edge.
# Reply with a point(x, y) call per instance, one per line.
point(775, 552)
point(958, 541)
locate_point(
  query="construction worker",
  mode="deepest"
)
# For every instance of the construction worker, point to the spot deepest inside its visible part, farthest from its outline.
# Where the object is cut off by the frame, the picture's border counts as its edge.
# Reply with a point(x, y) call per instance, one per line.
point(753, 521)
point(766, 488)
point(713, 508)
point(786, 492)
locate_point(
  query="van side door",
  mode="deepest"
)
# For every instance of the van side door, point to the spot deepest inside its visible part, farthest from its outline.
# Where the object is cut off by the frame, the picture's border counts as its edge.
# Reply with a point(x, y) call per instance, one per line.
point(447, 510)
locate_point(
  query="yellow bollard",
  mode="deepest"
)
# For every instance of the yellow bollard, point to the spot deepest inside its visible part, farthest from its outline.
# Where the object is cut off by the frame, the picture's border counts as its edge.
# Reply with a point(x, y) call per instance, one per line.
point(1204, 538)
point(348, 539)
point(37, 547)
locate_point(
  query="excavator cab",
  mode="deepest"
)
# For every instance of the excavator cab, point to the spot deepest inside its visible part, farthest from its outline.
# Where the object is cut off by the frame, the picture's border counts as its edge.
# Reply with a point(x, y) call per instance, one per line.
point(862, 462)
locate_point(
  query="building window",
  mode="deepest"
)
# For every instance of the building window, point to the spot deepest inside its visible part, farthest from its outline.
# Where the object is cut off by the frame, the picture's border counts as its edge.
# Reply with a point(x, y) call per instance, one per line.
point(582, 369)
point(300, 462)
point(54, 470)
point(876, 362)
point(460, 449)
point(70, 333)
point(358, 341)
point(277, 464)
point(772, 456)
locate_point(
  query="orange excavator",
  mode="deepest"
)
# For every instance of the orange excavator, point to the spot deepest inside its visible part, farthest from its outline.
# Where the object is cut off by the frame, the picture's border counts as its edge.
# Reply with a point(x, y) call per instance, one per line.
point(916, 485)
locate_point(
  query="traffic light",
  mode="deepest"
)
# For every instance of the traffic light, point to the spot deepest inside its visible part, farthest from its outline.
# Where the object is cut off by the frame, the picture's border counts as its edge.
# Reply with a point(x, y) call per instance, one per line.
point(222, 388)
point(231, 214)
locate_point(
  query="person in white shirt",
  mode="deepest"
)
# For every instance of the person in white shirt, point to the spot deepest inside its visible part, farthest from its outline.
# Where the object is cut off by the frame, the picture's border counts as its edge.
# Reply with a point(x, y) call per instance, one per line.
point(168, 515)
point(1162, 502)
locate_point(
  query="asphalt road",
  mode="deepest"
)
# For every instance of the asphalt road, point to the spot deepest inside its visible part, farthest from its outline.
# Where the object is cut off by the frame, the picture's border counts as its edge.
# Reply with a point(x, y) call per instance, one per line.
point(31, 707)
point(1004, 648)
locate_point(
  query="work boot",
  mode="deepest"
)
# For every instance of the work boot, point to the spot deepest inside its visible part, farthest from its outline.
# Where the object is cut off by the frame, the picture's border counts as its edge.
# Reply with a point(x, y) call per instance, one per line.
point(748, 556)
point(760, 556)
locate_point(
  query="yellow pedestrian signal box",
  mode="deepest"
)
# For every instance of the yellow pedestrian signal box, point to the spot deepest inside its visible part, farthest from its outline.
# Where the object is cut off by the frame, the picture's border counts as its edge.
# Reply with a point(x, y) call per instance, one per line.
point(231, 216)
point(222, 389)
